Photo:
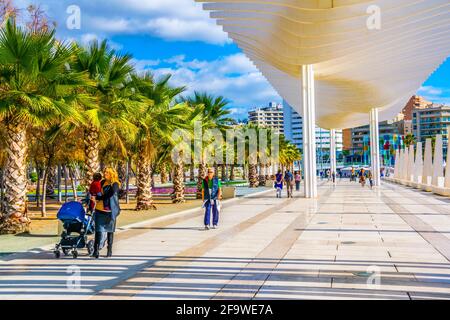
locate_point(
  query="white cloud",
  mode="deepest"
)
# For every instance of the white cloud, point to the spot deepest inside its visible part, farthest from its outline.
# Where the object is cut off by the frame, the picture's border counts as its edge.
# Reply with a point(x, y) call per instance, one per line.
point(185, 30)
point(175, 20)
point(429, 90)
point(88, 37)
point(233, 77)
point(436, 95)
point(144, 65)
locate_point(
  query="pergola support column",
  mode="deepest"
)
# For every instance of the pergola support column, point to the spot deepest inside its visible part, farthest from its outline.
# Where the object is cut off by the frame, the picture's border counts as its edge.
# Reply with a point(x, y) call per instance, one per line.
point(333, 156)
point(374, 147)
point(309, 131)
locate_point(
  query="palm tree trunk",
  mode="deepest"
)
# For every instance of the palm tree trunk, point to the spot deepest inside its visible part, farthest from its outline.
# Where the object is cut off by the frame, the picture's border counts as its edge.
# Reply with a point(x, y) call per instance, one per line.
point(66, 184)
point(192, 172)
point(201, 175)
point(253, 175)
point(51, 180)
point(91, 153)
point(144, 179)
point(224, 176)
point(178, 183)
point(58, 181)
point(127, 182)
point(44, 193)
point(262, 175)
point(2, 189)
point(163, 174)
point(216, 169)
point(13, 217)
point(122, 172)
point(73, 177)
point(268, 172)
point(232, 175)
point(38, 187)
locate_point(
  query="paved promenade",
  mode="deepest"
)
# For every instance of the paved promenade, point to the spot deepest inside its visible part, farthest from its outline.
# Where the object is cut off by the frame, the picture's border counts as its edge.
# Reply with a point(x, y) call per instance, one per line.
point(352, 243)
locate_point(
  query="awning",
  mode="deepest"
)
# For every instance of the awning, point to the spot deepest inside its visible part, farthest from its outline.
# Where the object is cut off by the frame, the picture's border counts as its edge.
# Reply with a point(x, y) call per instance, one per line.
point(357, 66)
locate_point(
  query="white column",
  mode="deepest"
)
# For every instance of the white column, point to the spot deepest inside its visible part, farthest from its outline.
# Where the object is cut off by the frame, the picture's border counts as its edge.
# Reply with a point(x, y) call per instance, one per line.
point(438, 163)
point(374, 147)
point(411, 163)
point(405, 164)
point(333, 152)
point(397, 164)
point(447, 169)
point(418, 165)
point(309, 131)
point(427, 163)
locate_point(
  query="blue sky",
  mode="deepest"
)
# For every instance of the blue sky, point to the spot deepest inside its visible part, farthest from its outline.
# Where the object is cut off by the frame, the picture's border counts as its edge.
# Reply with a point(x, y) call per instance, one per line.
point(178, 37)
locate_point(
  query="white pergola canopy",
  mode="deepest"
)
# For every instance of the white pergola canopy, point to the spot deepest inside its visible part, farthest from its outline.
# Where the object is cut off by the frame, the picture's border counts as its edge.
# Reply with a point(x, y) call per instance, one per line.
point(356, 68)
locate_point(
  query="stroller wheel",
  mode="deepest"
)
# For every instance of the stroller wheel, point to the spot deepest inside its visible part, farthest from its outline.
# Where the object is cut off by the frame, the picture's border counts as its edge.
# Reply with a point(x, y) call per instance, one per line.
point(57, 254)
point(90, 247)
point(65, 251)
point(74, 254)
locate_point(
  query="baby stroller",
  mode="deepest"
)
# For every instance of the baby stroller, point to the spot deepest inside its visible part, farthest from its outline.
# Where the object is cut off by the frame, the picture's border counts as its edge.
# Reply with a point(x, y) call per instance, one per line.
point(78, 225)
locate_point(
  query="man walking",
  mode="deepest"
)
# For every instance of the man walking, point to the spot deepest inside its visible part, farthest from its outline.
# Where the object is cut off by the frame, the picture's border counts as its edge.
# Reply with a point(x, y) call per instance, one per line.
point(289, 179)
point(211, 194)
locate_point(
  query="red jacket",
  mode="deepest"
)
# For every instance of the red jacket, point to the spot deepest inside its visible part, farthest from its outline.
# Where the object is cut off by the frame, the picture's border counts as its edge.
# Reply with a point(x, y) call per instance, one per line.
point(94, 189)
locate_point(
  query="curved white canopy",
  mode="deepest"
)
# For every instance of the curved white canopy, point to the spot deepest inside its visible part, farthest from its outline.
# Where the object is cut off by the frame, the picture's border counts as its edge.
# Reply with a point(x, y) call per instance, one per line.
point(356, 68)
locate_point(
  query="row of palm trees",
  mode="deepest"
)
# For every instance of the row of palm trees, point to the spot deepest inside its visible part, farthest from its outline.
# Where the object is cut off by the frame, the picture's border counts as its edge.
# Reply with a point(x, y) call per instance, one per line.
point(61, 103)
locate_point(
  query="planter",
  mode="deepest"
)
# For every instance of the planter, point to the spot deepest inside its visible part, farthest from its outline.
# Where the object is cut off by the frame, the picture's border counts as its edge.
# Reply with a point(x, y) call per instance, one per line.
point(228, 192)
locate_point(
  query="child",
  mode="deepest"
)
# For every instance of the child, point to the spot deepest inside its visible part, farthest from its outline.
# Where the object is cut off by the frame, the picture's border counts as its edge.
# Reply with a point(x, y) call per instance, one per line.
point(94, 189)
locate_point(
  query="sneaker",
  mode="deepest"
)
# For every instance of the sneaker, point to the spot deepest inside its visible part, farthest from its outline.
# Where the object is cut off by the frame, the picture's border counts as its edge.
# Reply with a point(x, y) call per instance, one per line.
point(206, 227)
point(215, 227)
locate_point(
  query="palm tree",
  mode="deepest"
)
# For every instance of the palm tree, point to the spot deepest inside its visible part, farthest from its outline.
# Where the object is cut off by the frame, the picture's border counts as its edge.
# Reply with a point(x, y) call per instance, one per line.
point(214, 115)
point(36, 90)
point(289, 153)
point(156, 123)
point(409, 140)
point(108, 119)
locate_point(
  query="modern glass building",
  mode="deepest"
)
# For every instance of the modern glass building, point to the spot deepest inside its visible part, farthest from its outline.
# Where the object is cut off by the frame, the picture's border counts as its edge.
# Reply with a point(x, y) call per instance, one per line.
point(293, 130)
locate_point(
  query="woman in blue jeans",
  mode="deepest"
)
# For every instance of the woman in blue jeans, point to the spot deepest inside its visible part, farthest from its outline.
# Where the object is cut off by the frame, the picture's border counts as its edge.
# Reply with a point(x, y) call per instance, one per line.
point(211, 194)
point(107, 210)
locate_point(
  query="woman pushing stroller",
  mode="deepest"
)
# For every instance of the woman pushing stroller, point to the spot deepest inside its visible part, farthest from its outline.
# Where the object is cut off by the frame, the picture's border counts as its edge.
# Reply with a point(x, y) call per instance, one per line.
point(107, 209)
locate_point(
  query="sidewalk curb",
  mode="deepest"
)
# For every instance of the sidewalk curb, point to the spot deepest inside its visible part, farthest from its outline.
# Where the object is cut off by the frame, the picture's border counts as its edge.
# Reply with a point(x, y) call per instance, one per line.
point(46, 248)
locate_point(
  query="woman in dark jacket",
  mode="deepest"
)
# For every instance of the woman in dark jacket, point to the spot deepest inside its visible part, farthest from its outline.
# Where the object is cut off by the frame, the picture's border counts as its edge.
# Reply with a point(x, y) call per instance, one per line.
point(107, 210)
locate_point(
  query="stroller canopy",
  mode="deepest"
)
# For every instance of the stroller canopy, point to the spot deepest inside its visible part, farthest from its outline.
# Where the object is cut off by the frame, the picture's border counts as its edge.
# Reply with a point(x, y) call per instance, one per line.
point(72, 211)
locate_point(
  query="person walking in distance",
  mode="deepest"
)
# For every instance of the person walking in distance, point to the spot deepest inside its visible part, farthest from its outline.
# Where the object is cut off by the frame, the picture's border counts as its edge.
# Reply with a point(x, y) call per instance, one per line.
point(289, 180)
point(362, 178)
point(370, 179)
point(211, 195)
point(298, 180)
point(279, 183)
